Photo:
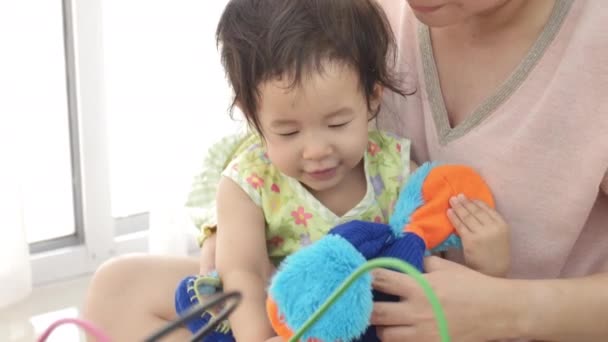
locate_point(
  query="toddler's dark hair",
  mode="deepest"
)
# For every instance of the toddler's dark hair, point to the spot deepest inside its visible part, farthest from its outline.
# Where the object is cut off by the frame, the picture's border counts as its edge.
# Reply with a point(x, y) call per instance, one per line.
point(262, 40)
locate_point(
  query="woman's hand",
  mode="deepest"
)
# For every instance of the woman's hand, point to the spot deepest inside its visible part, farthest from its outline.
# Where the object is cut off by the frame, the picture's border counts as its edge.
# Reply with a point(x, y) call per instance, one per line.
point(474, 304)
point(485, 236)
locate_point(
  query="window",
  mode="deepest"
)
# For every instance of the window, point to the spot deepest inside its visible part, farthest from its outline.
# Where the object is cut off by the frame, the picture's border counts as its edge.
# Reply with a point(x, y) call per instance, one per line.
point(115, 103)
point(35, 97)
point(166, 97)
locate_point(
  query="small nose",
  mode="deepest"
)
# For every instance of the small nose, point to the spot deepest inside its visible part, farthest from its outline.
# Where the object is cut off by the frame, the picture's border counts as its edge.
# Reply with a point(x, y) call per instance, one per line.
point(316, 149)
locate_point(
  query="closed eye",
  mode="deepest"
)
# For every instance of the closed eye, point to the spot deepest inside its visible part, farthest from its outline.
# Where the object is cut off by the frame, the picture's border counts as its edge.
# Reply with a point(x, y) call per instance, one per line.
point(339, 125)
point(289, 134)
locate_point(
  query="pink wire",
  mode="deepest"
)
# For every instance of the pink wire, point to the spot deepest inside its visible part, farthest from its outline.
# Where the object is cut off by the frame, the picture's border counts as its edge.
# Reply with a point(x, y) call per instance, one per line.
point(87, 326)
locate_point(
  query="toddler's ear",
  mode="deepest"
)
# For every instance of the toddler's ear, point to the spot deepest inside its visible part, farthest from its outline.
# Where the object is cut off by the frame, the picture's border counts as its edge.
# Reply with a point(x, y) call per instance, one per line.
point(375, 99)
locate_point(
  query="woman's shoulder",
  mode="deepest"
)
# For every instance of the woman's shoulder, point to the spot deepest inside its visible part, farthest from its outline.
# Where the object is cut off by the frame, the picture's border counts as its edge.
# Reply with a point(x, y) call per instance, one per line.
point(404, 25)
point(590, 15)
point(398, 14)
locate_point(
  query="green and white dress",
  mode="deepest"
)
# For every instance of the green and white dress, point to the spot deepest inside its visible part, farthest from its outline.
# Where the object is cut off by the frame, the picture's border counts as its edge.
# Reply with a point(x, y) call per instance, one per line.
point(294, 217)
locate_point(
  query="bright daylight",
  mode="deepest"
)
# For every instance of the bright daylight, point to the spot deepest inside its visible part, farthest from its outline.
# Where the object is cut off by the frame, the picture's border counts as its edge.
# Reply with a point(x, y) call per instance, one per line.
point(303, 170)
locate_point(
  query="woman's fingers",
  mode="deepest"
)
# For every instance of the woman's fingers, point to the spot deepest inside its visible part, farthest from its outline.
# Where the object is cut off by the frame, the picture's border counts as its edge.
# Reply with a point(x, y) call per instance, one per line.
point(461, 227)
point(492, 213)
point(395, 333)
point(392, 282)
point(390, 313)
point(475, 217)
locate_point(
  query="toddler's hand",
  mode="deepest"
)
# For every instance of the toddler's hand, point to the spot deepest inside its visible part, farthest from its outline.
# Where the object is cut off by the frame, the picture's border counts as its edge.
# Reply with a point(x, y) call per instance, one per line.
point(484, 233)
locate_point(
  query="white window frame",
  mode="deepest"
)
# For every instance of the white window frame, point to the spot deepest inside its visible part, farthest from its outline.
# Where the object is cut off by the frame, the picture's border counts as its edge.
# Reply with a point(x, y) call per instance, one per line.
point(97, 241)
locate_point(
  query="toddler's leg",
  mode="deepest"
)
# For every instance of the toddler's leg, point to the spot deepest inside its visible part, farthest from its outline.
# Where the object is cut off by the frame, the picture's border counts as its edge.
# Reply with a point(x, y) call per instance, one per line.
point(131, 297)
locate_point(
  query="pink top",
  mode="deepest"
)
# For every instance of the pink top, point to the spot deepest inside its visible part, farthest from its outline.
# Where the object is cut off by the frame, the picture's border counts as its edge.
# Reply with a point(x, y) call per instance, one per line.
point(541, 141)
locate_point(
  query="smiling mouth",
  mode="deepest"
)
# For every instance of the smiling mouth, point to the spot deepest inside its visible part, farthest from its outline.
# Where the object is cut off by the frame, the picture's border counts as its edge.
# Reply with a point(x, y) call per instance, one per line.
point(426, 9)
point(324, 174)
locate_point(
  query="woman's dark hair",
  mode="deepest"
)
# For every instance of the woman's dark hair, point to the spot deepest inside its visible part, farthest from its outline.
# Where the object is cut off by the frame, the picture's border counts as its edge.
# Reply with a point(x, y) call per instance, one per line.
point(262, 40)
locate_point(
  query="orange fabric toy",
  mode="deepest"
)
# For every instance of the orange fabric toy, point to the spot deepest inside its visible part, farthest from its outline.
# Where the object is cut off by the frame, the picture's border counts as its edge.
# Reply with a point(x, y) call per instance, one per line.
point(419, 224)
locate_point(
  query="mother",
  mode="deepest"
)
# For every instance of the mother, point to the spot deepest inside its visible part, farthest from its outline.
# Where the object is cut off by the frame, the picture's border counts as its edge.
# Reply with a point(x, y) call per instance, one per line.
point(519, 90)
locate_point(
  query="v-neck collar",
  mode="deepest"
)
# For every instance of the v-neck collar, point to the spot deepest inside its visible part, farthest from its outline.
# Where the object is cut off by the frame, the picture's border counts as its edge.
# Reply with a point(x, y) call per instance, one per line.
point(445, 132)
point(326, 213)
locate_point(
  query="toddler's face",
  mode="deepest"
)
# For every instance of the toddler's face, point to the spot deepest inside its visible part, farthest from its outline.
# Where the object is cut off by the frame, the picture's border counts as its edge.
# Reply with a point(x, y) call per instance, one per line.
point(317, 131)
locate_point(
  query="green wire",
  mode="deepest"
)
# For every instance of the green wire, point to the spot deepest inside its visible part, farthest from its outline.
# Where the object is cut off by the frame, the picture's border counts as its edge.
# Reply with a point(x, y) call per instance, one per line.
point(382, 263)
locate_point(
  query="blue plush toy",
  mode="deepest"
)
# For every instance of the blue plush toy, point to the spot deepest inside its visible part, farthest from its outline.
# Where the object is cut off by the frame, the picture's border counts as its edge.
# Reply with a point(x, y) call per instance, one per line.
point(419, 223)
point(307, 278)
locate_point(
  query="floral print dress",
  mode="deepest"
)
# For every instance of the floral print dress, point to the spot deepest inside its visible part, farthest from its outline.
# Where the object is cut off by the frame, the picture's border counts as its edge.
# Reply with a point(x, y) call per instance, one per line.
point(294, 217)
